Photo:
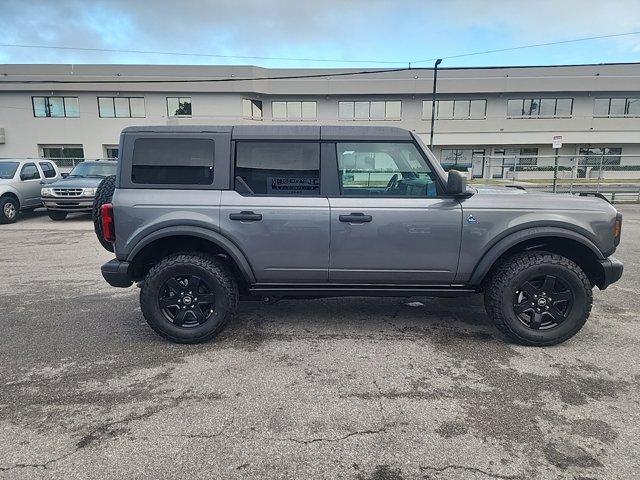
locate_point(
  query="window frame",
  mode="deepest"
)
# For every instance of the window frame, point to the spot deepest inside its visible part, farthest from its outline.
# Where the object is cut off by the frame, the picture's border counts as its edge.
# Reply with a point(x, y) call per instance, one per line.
point(61, 147)
point(221, 164)
point(286, 111)
point(440, 187)
point(169, 115)
point(252, 106)
point(47, 106)
point(609, 101)
point(30, 164)
point(113, 105)
point(368, 118)
point(427, 107)
point(537, 101)
point(321, 190)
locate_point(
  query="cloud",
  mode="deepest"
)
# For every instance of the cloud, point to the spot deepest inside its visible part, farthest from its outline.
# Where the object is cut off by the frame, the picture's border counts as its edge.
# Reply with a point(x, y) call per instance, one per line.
point(356, 29)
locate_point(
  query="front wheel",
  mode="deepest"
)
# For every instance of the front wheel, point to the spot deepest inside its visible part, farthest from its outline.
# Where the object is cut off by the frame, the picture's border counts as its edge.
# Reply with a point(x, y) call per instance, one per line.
point(188, 297)
point(539, 298)
point(57, 215)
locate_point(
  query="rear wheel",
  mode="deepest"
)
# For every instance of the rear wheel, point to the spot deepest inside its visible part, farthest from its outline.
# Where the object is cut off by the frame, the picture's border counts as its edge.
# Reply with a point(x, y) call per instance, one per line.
point(8, 210)
point(57, 215)
point(187, 298)
point(539, 298)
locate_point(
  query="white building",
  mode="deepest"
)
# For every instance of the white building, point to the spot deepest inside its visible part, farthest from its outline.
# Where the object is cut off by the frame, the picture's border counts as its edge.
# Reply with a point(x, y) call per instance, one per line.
point(79, 110)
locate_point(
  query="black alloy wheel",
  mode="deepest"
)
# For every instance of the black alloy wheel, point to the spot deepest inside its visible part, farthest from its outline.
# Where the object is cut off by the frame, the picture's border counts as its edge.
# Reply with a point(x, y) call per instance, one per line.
point(187, 301)
point(543, 302)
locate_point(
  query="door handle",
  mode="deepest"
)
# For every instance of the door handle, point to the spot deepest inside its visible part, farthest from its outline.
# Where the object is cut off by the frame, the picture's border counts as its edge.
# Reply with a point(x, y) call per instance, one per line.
point(246, 216)
point(356, 217)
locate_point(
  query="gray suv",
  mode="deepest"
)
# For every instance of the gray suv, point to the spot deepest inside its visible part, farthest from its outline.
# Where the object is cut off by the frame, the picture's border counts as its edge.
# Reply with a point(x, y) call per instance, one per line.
point(20, 184)
point(75, 192)
point(202, 216)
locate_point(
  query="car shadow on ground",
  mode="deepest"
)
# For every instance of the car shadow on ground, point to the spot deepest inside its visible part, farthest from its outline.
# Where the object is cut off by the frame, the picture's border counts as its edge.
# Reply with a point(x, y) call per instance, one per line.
point(361, 318)
point(41, 213)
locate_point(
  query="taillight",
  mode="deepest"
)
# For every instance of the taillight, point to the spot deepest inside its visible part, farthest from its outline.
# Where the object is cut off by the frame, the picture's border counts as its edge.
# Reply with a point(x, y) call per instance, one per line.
point(617, 229)
point(108, 227)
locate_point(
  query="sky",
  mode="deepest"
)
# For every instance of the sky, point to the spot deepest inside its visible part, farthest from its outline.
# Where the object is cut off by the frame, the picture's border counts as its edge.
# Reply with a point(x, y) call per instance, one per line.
point(355, 33)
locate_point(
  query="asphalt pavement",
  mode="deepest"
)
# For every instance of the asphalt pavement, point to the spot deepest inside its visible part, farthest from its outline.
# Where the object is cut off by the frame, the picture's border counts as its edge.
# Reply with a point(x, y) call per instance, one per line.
point(355, 388)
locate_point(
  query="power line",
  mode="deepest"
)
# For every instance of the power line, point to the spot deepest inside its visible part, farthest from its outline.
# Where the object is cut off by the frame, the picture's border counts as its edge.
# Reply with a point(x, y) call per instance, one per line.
point(194, 54)
point(285, 77)
point(215, 80)
point(533, 45)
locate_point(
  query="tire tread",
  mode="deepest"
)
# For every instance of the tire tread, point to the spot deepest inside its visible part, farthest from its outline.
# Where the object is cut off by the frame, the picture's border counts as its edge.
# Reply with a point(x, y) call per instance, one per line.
point(501, 279)
point(214, 266)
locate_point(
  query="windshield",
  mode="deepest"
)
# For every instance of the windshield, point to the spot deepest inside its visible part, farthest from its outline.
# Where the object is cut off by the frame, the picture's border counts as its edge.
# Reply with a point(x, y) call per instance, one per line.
point(94, 169)
point(8, 169)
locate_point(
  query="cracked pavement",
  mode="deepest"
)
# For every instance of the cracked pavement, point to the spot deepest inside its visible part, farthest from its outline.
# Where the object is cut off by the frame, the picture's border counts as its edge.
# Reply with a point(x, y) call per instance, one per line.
point(354, 388)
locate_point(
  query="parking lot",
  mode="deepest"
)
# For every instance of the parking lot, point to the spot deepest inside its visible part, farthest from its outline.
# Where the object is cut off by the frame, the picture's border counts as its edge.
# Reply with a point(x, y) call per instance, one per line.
point(349, 388)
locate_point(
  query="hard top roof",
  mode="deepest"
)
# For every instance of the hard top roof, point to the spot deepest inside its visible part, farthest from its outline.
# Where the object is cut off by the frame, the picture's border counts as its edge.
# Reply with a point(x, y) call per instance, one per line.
point(290, 132)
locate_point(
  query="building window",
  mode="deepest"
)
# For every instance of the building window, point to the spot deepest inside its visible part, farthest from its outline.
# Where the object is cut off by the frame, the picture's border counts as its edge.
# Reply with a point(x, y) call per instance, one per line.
point(121, 107)
point(456, 109)
point(293, 111)
point(518, 156)
point(179, 106)
point(376, 110)
point(539, 107)
point(111, 151)
point(594, 156)
point(252, 109)
point(459, 158)
point(278, 168)
point(55, 107)
point(616, 107)
point(62, 151)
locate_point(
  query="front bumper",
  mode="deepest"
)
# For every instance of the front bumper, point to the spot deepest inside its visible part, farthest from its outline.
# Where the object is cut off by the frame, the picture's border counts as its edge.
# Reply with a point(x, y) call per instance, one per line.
point(611, 271)
point(74, 204)
point(116, 273)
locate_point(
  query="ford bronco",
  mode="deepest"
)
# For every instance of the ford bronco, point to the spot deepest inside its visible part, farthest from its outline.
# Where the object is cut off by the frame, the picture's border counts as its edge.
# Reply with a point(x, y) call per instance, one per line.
point(202, 216)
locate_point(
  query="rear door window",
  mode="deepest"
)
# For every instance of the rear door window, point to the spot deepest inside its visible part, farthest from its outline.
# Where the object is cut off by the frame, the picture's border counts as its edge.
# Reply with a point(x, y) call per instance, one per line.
point(173, 161)
point(278, 168)
point(47, 169)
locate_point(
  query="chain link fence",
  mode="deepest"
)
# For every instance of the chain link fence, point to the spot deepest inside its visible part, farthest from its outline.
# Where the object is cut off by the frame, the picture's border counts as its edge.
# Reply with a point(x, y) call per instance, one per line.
point(615, 176)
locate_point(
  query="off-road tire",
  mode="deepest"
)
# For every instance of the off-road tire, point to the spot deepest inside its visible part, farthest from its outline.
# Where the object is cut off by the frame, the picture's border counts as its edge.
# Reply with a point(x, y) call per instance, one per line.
point(16, 208)
point(57, 215)
point(213, 271)
point(104, 194)
point(506, 279)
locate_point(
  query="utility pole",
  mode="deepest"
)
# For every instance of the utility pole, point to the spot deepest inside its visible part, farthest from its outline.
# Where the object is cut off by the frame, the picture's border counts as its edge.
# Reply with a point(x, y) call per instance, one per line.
point(433, 100)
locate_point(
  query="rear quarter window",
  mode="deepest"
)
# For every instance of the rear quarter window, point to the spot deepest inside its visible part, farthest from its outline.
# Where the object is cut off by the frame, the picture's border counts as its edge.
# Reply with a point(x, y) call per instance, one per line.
point(173, 161)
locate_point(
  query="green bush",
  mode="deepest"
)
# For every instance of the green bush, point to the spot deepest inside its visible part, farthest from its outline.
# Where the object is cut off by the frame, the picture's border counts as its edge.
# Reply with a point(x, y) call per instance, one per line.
point(616, 168)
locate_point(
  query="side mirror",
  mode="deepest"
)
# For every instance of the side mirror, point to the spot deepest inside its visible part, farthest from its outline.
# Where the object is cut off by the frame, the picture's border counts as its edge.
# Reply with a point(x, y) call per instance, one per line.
point(64, 175)
point(456, 183)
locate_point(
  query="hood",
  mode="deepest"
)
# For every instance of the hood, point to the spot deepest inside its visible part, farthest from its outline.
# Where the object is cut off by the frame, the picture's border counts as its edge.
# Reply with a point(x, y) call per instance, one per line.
point(76, 182)
point(7, 181)
point(511, 198)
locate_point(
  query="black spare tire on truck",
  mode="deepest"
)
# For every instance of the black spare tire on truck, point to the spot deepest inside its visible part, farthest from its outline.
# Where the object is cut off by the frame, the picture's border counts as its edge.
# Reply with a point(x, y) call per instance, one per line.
point(104, 194)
